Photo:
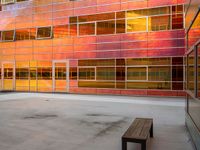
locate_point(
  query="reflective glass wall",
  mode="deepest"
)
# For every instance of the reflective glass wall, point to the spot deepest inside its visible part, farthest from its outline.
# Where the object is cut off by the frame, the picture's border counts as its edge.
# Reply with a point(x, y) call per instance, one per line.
point(98, 46)
point(193, 69)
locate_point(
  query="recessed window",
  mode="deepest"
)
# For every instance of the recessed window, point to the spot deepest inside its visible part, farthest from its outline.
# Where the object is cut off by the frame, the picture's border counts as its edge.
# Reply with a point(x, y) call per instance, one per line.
point(44, 32)
point(8, 35)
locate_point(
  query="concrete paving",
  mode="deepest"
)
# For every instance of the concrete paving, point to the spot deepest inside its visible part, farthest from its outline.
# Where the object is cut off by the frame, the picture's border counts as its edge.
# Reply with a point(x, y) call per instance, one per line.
point(36, 121)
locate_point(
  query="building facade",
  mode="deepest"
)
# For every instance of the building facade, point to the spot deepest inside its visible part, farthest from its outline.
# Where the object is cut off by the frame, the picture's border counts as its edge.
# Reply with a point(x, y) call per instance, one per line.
point(193, 70)
point(128, 47)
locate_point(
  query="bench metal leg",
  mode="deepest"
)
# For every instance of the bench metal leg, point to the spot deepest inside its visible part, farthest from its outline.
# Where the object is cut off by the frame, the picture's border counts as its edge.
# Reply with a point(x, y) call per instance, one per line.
point(124, 145)
point(143, 145)
point(151, 131)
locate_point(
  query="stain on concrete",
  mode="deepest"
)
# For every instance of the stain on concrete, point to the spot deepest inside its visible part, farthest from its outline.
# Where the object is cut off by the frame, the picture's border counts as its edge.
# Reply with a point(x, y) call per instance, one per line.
point(111, 126)
point(98, 115)
point(41, 116)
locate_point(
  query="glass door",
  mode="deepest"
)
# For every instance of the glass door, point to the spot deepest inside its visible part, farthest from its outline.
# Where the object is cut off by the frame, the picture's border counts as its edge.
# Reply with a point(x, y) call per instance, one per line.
point(61, 76)
point(8, 76)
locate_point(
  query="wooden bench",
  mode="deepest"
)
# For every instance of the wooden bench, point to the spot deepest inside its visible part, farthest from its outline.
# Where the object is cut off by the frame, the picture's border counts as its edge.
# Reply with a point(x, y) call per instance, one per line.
point(138, 132)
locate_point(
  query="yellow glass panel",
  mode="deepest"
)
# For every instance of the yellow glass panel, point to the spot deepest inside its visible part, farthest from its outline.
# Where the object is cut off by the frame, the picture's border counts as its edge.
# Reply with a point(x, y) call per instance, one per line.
point(22, 64)
point(137, 13)
point(136, 85)
point(44, 85)
point(137, 61)
point(33, 63)
point(94, 84)
point(8, 84)
point(159, 85)
point(22, 85)
point(97, 62)
point(33, 85)
point(134, 25)
point(44, 64)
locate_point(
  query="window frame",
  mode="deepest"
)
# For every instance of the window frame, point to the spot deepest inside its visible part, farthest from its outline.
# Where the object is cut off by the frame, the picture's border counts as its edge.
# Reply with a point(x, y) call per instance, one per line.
point(51, 34)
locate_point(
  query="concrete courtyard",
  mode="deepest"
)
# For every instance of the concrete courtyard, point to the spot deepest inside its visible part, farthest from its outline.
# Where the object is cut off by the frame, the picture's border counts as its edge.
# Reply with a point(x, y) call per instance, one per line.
point(36, 121)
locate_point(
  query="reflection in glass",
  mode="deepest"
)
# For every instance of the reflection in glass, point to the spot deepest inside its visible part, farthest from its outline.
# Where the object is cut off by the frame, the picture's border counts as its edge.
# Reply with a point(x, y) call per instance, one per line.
point(159, 73)
point(87, 29)
point(60, 31)
point(190, 72)
point(158, 23)
point(134, 25)
point(8, 35)
point(105, 27)
point(22, 34)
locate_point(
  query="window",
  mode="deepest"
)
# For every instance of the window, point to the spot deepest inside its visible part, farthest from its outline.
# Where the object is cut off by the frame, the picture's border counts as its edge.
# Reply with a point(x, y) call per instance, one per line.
point(33, 33)
point(136, 73)
point(120, 26)
point(105, 73)
point(8, 35)
point(191, 71)
point(134, 25)
point(86, 73)
point(159, 73)
point(97, 62)
point(120, 73)
point(60, 31)
point(73, 29)
point(22, 34)
point(60, 73)
point(44, 32)
point(73, 73)
point(87, 29)
point(177, 9)
point(137, 13)
point(159, 23)
point(8, 73)
point(159, 11)
point(44, 73)
point(96, 17)
point(22, 73)
point(177, 21)
point(105, 27)
point(33, 73)
point(73, 19)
